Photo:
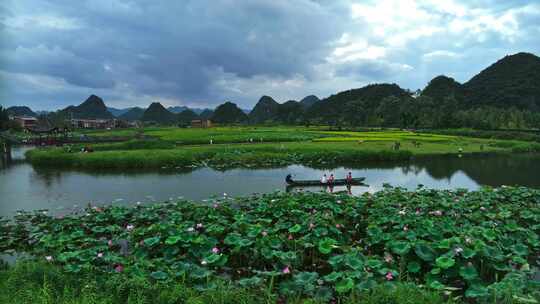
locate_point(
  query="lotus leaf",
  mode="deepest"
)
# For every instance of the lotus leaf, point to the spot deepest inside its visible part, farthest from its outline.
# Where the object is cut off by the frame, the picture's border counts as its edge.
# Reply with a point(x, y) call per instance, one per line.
point(445, 262)
point(344, 285)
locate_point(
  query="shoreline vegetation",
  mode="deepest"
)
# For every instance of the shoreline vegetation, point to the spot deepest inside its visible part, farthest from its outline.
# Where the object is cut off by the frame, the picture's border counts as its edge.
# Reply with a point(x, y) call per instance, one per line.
point(260, 147)
point(433, 246)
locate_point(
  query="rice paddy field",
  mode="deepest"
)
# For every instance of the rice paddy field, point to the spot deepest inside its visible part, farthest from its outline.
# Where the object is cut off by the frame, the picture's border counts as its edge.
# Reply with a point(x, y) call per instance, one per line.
point(227, 147)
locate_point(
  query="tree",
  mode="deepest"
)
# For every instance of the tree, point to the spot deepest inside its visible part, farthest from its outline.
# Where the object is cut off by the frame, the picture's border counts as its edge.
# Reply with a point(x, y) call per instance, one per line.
point(4, 118)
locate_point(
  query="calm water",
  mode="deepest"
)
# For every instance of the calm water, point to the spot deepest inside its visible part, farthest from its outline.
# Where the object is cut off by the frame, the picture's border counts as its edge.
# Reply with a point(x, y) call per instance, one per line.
point(23, 187)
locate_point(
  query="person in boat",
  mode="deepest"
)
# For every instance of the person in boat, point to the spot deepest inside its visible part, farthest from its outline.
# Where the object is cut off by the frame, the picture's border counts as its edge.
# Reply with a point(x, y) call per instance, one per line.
point(348, 178)
point(324, 179)
point(331, 179)
point(288, 179)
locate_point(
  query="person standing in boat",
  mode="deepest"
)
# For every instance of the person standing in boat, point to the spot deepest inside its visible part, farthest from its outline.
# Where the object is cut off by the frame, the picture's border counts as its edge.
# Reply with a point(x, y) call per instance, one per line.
point(323, 179)
point(348, 178)
point(288, 179)
point(331, 179)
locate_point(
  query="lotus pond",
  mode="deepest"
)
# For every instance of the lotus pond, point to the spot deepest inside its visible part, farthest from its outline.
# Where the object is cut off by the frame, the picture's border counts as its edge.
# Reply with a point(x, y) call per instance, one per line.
point(473, 244)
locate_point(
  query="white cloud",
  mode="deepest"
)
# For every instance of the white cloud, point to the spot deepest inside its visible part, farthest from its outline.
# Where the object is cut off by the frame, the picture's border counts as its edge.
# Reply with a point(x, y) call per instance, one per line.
point(43, 21)
point(440, 53)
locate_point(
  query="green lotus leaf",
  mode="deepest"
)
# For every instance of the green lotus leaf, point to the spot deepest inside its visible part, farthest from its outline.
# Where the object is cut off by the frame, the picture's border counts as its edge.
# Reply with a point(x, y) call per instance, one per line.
point(250, 282)
point(323, 294)
point(521, 250)
point(425, 252)
point(366, 284)
point(151, 241)
point(445, 262)
point(159, 275)
point(333, 276)
point(199, 272)
point(468, 273)
point(306, 277)
point(344, 285)
point(212, 258)
point(413, 267)
point(468, 253)
point(354, 262)
point(477, 291)
point(436, 285)
point(336, 260)
point(73, 268)
point(326, 245)
point(173, 240)
point(400, 247)
point(296, 228)
point(436, 271)
point(490, 235)
point(232, 239)
point(374, 263)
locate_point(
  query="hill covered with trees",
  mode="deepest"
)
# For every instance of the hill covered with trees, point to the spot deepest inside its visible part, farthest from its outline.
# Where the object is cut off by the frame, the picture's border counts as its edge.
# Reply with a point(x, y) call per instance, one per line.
point(505, 95)
point(229, 113)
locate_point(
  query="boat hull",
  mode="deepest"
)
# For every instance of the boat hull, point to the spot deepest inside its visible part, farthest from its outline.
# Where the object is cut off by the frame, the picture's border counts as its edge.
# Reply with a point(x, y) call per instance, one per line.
point(337, 182)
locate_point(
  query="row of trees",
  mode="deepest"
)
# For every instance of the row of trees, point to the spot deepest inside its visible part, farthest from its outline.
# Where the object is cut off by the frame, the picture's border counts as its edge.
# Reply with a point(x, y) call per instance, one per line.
point(424, 112)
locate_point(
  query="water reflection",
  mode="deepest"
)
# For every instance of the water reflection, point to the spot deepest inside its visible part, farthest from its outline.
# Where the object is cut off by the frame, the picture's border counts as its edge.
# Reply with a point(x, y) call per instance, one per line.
point(25, 187)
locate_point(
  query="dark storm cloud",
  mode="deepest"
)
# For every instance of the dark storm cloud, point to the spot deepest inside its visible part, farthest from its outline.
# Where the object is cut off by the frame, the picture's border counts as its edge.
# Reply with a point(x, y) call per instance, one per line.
point(54, 53)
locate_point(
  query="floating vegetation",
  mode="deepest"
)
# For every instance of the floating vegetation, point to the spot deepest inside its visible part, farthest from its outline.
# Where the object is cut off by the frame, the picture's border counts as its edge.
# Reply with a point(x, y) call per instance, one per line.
point(471, 244)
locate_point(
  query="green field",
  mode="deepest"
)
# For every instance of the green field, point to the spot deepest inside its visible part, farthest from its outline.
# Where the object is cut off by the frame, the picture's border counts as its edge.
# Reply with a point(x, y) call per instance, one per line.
point(265, 147)
point(394, 246)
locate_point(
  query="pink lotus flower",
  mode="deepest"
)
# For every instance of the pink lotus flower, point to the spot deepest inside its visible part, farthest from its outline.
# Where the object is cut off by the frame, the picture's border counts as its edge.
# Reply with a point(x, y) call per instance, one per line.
point(286, 270)
point(130, 227)
point(100, 255)
point(405, 228)
point(215, 250)
point(199, 226)
point(388, 258)
point(290, 237)
point(119, 268)
point(389, 276)
point(311, 225)
point(110, 243)
point(338, 226)
point(216, 205)
point(458, 250)
point(264, 233)
point(49, 258)
point(417, 212)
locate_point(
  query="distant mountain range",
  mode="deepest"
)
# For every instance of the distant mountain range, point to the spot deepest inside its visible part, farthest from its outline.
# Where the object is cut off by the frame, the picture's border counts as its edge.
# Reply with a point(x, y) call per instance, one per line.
point(508, 90)
point(21, 111)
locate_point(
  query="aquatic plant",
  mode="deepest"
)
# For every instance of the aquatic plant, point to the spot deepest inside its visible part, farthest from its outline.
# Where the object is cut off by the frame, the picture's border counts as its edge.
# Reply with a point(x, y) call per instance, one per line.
point(310, 244)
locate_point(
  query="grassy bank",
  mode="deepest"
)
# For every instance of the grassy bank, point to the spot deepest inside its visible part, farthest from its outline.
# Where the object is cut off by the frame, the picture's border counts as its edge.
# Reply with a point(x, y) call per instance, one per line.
point(315, 148)
point(479, 245)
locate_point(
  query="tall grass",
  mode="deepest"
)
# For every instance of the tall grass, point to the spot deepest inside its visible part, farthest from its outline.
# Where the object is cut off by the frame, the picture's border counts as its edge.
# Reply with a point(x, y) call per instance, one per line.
point(38, 283)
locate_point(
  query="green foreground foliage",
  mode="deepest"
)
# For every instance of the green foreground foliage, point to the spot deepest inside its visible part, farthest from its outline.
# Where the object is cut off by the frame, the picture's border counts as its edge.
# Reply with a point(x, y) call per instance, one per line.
point(481, 245)
point(40, 283)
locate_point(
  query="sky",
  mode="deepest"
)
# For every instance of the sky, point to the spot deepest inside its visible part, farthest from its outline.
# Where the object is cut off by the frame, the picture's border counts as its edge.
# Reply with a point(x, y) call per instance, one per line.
point(200, 53)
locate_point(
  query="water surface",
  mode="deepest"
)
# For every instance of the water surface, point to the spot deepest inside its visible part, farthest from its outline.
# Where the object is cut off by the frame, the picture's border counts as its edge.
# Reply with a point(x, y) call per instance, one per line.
point(23, 187)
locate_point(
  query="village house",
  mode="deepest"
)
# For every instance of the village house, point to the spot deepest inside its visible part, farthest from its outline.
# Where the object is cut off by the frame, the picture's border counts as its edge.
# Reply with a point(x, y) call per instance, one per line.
point(25, 121)
point(201, 123)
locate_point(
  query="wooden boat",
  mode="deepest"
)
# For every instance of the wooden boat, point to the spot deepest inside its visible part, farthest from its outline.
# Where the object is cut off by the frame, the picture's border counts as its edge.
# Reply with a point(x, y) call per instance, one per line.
point(337, 182)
